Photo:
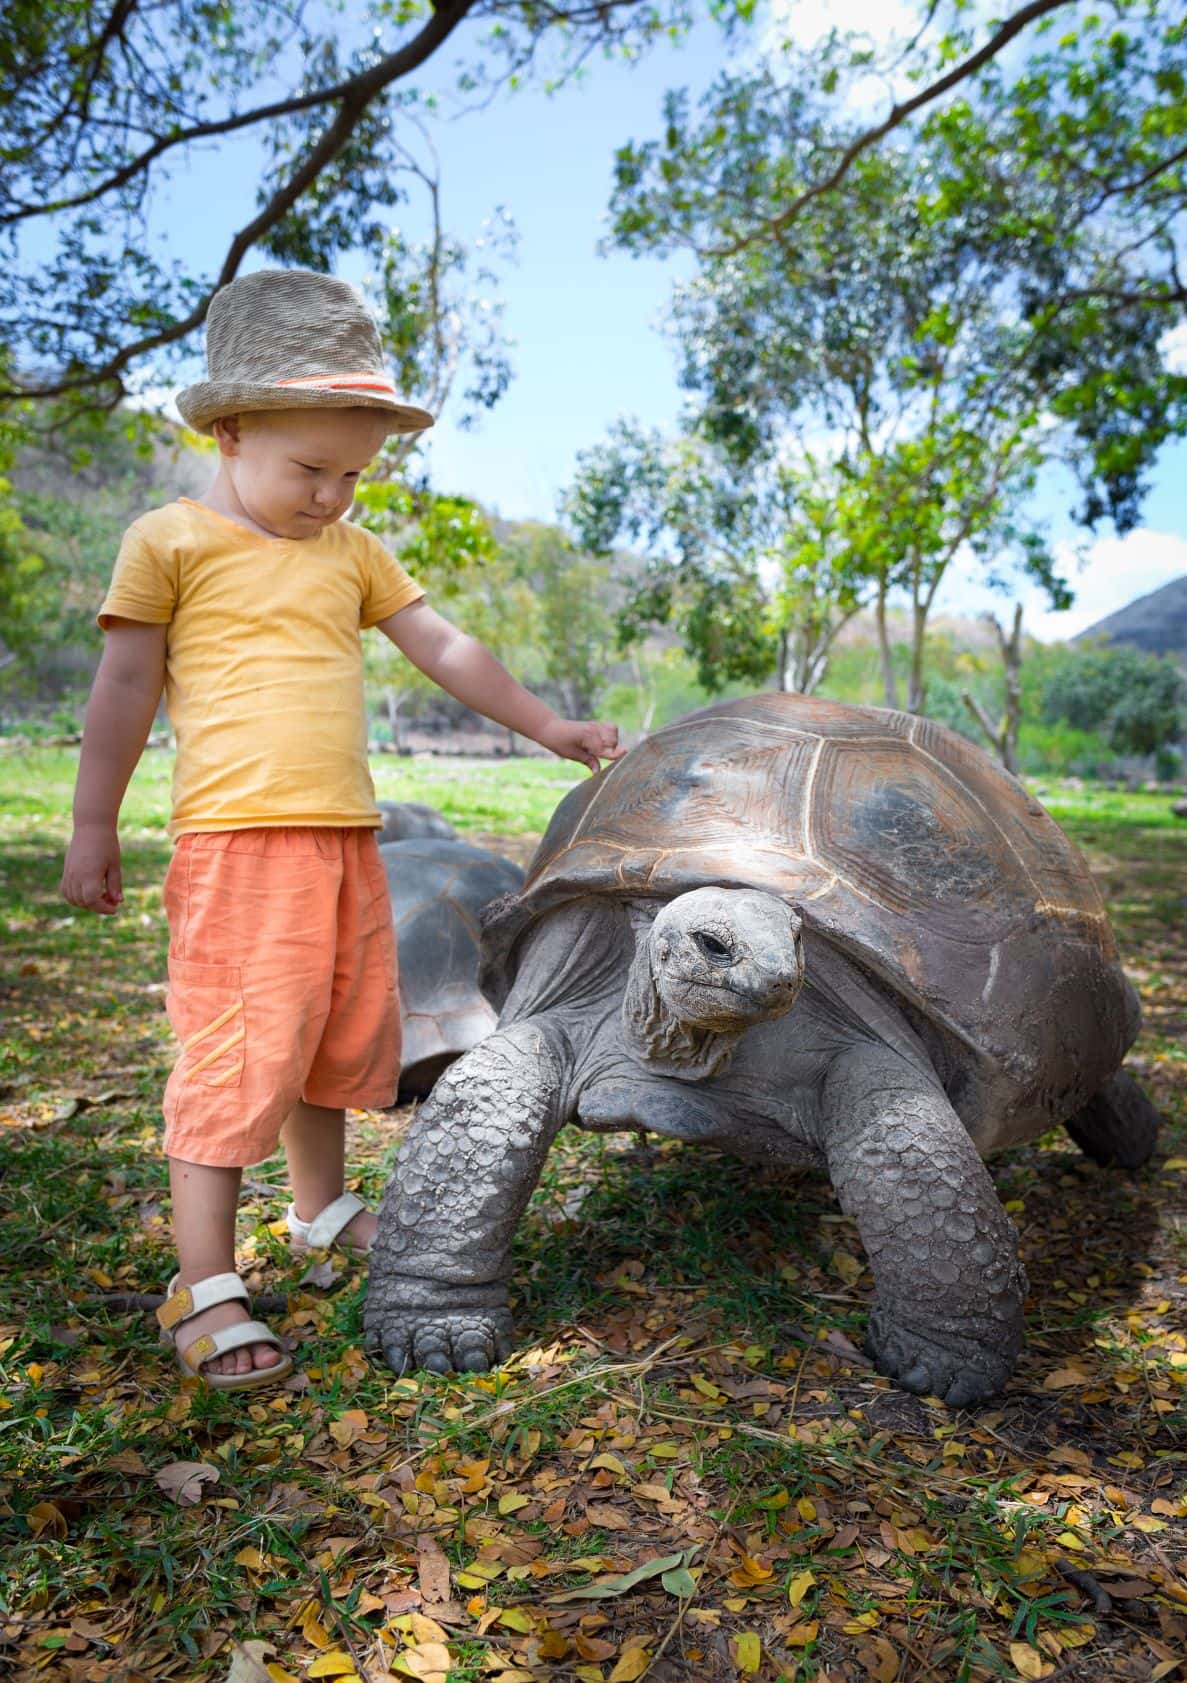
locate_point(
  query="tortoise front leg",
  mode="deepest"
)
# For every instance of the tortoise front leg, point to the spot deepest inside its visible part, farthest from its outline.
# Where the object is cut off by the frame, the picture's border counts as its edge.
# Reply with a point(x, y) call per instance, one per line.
point(437, 1296)
point(947, 1319)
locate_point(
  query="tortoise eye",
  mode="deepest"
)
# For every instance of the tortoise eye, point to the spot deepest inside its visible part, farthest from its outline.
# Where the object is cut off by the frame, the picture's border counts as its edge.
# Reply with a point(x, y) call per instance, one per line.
point(713, 949)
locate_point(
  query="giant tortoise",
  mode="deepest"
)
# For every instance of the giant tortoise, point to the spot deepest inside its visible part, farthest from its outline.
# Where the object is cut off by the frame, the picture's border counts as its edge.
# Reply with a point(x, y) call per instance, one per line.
point(810, 933)
point(438, 889)
point(412, 821)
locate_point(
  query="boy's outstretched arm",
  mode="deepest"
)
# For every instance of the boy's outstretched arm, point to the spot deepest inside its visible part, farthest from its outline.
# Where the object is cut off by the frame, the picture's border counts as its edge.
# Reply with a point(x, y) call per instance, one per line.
point(467, 669)
point(124, 699)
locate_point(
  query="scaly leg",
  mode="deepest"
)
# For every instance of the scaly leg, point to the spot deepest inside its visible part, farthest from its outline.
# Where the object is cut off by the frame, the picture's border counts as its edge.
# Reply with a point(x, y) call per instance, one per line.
point(948, 1315)
point(437, 1298)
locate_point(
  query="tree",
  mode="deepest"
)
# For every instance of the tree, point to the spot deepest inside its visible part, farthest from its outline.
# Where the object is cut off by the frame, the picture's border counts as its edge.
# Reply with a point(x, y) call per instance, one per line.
point(103, 104)
point(1138, 701)
point(1056, 175)
point(448, 546)
point(573, 595)
point(881, 341)
point(64, 505)
point(757, 570)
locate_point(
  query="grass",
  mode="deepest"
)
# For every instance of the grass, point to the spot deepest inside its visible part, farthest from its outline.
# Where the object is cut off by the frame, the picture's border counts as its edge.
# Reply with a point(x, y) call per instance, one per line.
point(689, 1374)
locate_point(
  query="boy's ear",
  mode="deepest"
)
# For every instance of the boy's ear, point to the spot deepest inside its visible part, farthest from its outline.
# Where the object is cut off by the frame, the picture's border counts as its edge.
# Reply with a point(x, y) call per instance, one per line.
point(227, 434)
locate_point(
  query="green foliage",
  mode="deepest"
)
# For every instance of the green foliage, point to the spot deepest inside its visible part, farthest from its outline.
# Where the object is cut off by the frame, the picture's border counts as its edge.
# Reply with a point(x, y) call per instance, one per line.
point(573, 595)
point(69, 494)
point(1138, 701)
point(955, 306)
point(103, 108)
point(758, 566)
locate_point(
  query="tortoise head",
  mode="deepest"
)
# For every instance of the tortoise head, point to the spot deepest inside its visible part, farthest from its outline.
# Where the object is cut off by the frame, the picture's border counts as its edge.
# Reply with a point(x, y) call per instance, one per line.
point(714, 962)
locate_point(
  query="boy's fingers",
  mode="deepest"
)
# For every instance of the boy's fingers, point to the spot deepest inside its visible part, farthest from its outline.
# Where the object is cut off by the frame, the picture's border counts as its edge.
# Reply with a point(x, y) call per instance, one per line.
point(115, 883)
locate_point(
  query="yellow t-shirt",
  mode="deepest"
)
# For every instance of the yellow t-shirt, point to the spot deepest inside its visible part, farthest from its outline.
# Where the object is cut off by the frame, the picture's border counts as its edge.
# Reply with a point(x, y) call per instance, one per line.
point(264, 670)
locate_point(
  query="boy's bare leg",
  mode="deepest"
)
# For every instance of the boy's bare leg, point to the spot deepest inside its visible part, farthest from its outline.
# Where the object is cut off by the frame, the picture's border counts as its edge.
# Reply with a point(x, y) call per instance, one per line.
point(315, 1144)
point(205, 1201)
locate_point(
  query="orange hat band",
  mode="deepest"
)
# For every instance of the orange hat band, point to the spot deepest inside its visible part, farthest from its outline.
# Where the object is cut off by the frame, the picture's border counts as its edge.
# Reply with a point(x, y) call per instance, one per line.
point(368, 382)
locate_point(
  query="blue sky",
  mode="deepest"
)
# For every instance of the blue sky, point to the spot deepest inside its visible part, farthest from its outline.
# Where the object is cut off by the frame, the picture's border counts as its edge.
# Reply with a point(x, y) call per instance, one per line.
point(587, 345)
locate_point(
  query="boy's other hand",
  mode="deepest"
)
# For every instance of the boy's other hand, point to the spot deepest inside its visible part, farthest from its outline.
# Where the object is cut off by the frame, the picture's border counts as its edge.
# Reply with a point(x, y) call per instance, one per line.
point(91, 875)
point(587, 740)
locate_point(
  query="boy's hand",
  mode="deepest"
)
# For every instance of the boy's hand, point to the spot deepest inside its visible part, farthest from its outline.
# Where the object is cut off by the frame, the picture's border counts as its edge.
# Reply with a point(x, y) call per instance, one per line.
point(587, 740)
point(91, 875)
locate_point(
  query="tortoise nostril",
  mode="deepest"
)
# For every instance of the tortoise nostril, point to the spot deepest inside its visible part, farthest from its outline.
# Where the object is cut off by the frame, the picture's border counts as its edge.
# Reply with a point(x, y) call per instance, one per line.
point(714, 950)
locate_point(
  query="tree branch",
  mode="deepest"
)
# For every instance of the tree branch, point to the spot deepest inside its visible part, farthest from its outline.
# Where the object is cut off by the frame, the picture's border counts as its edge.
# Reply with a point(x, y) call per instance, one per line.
point(982, 718)
point(365, 86)
point(898, 115)
point(363, 90)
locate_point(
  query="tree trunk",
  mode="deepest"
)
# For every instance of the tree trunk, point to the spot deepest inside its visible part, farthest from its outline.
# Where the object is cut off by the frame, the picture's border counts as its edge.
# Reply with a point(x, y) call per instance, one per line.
point(1004, 735)
point(392, 702)
point(916, 689)
point(889, 681)
point(786, 675)
point(646, 692)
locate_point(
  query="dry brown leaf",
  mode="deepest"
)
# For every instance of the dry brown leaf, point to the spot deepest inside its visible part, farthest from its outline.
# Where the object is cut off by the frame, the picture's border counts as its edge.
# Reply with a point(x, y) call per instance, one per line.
point(184, 1480)
point(1058, 1381)
point(432, 1569)
point(249, 1662)
point(607, 1518)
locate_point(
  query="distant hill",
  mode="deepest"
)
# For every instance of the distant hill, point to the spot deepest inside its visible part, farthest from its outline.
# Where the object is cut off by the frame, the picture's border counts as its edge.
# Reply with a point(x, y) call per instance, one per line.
point(1156, 623)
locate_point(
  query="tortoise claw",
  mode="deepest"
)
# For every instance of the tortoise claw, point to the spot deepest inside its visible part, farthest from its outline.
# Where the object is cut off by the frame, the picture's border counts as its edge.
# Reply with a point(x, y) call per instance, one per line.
point(440, 1341)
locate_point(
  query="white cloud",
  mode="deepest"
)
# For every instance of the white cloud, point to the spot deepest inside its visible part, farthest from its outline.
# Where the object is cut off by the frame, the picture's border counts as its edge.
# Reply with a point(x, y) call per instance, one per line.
point(808, 21)
point(1115, 572)
point(1173, 346)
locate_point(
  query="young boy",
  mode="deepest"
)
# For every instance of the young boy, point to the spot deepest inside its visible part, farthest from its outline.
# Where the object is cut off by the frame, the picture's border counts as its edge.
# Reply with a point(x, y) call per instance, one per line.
point(247, 608)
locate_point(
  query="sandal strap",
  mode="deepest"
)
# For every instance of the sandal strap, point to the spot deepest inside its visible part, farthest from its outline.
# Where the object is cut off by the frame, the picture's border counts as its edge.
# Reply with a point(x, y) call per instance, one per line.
point(184, 1301)
point(229, 1338)
point(327, 1224)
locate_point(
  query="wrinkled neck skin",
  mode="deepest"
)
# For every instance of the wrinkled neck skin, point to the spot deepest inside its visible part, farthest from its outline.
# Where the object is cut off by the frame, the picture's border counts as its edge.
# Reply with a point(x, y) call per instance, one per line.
point(662, 1043)
point(576, 970)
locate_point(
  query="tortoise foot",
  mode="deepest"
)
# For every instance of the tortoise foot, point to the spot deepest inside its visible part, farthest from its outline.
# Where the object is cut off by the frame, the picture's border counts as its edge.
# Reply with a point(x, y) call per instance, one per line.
point(1118, 1126)
point(463, 1341)
point(960, 1371)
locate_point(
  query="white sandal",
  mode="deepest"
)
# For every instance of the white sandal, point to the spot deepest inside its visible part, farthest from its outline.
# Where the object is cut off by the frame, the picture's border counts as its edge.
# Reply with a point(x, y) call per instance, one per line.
point(326, 1227)
point(185, 1301)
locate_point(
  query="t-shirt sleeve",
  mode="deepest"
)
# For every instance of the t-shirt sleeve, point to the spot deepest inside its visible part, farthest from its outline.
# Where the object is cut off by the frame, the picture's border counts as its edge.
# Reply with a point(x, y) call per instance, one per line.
point(386, 586)
point(143, 583)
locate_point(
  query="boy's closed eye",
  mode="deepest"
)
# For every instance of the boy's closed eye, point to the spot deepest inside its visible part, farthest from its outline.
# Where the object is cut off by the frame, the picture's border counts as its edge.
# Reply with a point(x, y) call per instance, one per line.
point(308, 467)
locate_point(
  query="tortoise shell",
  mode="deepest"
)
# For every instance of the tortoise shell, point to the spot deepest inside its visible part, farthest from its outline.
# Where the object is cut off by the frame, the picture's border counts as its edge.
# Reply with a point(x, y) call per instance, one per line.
point(897, 840)
point(438, 889)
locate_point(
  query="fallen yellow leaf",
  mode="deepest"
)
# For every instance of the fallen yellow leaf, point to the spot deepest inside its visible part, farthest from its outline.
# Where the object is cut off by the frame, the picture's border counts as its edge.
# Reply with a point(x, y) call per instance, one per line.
point(799, 1586)
point(424, 1661)
point(1027, 1660)
point(333, 1664)
point(747, 1650)
point(632, 1663)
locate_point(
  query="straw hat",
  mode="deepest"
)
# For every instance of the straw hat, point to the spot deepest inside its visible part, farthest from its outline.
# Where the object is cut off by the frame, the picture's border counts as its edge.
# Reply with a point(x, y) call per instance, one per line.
point(293, 339)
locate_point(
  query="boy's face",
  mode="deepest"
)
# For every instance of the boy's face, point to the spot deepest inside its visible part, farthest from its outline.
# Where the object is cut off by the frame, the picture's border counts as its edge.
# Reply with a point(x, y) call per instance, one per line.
point(294, 471)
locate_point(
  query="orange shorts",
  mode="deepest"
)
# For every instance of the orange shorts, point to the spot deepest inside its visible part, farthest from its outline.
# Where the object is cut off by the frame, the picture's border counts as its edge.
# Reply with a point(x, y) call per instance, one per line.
point(282, 985)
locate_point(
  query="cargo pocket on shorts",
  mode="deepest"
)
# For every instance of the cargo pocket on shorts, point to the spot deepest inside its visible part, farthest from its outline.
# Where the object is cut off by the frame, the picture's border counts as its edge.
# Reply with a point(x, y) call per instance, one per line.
point(205, 1006)
point(381, 904)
